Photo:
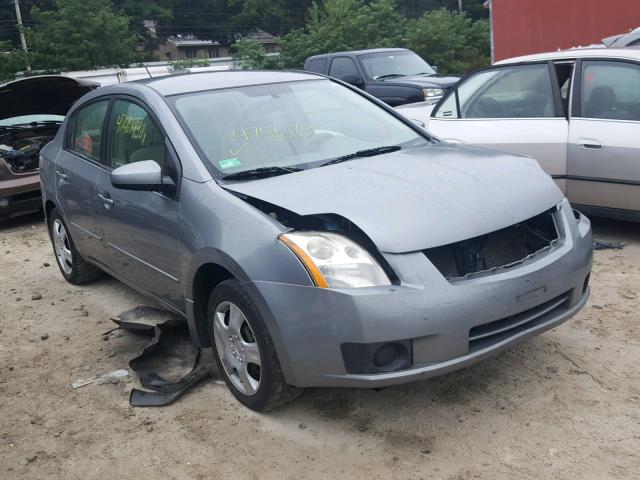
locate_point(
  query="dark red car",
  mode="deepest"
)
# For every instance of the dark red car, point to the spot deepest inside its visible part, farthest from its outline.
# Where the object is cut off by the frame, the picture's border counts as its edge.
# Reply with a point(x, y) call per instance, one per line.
point(31, 111)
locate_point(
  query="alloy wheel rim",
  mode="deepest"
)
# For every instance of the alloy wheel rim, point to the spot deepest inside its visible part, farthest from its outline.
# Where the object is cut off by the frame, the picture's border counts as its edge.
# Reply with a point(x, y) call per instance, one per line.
point(237, 348)
point(62, 247)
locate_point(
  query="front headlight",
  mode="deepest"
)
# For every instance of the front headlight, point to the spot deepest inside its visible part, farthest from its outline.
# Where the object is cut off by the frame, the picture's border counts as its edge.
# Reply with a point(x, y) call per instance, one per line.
point(334, 261)
point(432, 92)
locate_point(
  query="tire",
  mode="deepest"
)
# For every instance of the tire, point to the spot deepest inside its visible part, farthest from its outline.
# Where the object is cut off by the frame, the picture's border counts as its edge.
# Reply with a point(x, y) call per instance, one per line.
point(73, 267)
point(238, 341)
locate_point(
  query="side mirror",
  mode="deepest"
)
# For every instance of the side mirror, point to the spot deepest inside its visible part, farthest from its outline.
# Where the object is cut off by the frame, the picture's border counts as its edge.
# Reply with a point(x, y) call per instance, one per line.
point(145, 176)
point(435, 68)
point(354, 80)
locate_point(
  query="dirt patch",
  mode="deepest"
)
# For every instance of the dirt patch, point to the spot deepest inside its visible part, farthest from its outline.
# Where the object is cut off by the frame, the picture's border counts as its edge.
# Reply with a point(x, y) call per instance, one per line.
point(564, 405)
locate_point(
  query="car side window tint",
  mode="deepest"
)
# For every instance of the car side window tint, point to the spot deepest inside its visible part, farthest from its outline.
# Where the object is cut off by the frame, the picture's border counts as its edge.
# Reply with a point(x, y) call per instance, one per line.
point(343, 67)
point(610, 90)
point(134, 136)
point(317, 65)
point(523, 91)
point(86, 136)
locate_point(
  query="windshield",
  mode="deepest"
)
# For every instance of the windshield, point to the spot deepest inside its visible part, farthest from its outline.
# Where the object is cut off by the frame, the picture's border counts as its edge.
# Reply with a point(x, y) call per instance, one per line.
point(394, 64)
point(26, 119)
point(300, 124)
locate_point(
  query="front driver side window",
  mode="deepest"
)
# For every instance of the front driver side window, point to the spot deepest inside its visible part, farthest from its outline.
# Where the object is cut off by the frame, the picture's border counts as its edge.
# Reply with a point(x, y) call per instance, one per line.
point(523, 91)
point(134, 136)
point(343, 68)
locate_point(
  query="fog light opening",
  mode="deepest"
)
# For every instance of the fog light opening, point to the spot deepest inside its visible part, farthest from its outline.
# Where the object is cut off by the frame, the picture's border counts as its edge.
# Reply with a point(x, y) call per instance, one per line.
point(4, 202)
point(390, 357)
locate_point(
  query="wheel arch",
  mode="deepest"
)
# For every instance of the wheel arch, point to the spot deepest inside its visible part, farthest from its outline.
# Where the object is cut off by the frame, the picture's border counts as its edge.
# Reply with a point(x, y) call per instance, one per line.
point(210, 268)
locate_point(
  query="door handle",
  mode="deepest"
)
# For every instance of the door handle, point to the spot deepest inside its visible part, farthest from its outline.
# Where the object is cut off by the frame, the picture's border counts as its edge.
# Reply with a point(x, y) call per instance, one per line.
point(106, 199)
point(589, 143)
point(63, 176)
point(453, 140)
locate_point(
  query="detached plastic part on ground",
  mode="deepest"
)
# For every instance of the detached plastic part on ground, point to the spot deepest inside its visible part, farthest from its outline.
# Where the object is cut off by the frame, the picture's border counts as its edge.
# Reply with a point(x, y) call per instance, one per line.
point(602, 245)
point(163, 362)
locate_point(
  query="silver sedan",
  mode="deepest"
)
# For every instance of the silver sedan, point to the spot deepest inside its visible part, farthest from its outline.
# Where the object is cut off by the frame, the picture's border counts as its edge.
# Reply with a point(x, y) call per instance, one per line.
point(308, 233)
point(577, 112)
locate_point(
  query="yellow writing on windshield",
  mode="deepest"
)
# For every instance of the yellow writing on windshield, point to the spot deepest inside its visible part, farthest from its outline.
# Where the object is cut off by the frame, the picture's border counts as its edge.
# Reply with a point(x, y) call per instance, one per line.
point(134, 128)
point(242, 137)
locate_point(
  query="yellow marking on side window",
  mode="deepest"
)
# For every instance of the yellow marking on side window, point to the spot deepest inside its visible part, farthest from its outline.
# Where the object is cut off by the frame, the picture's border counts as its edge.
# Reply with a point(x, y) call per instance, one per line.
point(134, 128)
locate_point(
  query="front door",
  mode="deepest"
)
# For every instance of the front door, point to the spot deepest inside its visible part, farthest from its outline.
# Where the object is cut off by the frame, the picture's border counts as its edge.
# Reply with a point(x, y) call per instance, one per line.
point(516, 108)
point(140, 227)
point(604, 150)
point(77, 169)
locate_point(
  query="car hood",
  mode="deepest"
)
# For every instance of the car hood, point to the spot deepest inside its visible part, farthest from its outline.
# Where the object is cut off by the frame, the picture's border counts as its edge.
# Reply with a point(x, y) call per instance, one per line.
point(418, 198)
point(50, 94)
point(426, 81)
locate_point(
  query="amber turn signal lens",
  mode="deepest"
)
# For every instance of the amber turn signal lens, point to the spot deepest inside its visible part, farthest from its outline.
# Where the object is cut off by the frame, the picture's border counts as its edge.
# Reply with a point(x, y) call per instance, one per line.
point(309, 264)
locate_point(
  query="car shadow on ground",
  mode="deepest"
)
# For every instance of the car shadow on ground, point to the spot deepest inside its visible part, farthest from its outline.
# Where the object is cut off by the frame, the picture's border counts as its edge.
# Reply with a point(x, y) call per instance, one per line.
point(32, 220)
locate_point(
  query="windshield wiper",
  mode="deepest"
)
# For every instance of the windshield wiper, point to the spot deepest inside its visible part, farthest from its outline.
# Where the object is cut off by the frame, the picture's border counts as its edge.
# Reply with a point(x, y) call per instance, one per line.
point(390, 75)
point(261, 172)
point(371, 152)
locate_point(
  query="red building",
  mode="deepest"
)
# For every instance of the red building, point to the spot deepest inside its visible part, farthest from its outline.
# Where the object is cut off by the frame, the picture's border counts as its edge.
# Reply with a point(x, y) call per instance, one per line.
point(521, 27)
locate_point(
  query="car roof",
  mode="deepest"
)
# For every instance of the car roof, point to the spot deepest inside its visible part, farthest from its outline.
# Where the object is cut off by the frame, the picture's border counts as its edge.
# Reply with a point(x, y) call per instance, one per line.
point(590, 52)
point(359, 52)
point(198, 82)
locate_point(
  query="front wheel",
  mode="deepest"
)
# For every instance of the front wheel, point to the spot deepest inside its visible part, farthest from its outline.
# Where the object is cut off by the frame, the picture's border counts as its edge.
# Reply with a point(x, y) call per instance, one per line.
point(72, 266)
point(244, 350)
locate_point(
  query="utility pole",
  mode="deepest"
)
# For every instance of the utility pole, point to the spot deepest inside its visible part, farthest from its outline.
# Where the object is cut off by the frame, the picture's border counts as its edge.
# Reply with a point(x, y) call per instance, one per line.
point(459, 6)
point(23, 40)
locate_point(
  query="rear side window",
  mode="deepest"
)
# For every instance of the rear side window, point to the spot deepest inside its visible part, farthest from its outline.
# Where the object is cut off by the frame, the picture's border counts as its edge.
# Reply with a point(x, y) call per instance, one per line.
point(610, 90)
point(134, 136)
point(317, 65)
point(343, 67)
point(86, 136)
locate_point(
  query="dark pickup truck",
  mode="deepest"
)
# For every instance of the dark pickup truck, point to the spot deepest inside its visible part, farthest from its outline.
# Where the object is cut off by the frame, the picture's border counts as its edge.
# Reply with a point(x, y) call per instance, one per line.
point(394, 75)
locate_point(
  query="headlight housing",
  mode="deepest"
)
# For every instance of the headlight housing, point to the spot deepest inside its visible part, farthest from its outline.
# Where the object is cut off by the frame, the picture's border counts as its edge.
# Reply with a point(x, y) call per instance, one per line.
point(334, 261)
point(432, 92)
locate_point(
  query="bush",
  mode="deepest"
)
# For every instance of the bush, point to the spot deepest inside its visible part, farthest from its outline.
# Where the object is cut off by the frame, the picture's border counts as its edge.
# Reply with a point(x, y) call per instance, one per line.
point(337, 25)
point(250, 55)
point(453, 42)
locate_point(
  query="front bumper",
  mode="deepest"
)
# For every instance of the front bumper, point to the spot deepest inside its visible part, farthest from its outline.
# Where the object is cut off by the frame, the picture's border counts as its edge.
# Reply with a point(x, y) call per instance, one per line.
point(447, 325)
point(19, 193)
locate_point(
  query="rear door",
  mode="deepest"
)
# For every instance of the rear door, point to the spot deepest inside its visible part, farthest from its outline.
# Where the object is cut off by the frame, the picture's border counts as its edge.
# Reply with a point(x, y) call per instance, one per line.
point(140, 227)
point(604, 150)
point(76, 170)
point(517, 108)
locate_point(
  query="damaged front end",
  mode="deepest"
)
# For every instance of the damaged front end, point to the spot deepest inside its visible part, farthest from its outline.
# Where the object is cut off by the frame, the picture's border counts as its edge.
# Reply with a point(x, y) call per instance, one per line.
point(20, 146)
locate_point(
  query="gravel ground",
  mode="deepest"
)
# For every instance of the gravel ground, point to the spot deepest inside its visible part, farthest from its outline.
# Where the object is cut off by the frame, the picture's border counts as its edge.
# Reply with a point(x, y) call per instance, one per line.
point(564, 405)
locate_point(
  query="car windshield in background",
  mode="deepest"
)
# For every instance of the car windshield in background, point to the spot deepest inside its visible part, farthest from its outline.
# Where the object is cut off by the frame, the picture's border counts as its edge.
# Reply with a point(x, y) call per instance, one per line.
point(29, 119)
point(394, 65)
point(285, 125)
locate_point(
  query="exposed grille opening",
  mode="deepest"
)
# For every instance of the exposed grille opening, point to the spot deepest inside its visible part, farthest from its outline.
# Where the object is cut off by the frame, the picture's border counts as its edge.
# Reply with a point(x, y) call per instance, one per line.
point(482, 336)
point(21, 197)
point(499, 249)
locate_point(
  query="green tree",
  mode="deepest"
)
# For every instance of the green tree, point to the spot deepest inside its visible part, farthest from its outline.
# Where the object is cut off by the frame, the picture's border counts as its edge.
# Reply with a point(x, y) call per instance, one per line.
point(250, 55)
point(453, 42)
point(79, 34)
point(343, 25)
point(11, 61)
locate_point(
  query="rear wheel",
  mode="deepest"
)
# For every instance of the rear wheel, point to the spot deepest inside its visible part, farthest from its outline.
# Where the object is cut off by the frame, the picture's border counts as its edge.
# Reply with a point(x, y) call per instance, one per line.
point(244, 350)
point(72, 266)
